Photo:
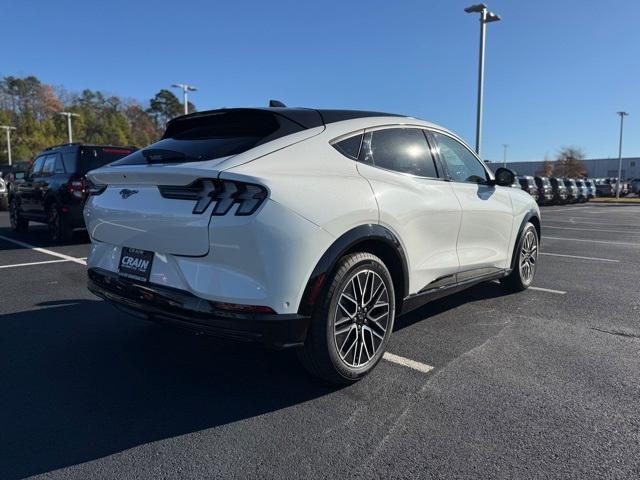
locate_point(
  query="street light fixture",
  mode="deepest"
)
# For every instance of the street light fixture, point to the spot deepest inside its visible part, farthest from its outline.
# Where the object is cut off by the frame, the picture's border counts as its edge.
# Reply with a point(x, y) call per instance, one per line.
point(7, 129)
point(622, 115)
point(69, 131)
point(485, 17)
point(185, 88)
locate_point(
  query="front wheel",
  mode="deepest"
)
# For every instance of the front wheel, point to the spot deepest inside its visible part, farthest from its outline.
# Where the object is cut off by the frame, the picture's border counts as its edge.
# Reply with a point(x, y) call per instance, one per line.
point(526, 260)
point(351, 327)
point(18, 224)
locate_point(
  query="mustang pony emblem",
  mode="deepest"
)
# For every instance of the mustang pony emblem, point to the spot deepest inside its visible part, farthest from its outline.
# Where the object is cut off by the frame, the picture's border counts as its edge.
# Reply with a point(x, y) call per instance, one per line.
point(126, 193)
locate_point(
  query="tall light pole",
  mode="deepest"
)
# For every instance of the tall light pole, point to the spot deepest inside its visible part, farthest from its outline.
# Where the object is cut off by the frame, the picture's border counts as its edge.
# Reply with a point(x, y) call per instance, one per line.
point(69, 130)
point(622, 115)
point(485, 17)
point(185, 88)
point(7, 129)
point(504, 155)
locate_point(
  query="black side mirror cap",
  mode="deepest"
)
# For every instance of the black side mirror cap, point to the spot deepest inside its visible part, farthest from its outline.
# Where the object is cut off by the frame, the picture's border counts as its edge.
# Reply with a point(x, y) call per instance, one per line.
point(504, 177)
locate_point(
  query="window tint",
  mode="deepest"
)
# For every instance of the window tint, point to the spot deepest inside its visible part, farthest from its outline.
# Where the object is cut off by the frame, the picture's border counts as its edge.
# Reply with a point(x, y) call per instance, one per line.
point(463, 166)
point(59, 167)
point(400, 149)
point(349, 147)
point(70, 159)
point(49, 165)
point(36, 168)
point(96, 157)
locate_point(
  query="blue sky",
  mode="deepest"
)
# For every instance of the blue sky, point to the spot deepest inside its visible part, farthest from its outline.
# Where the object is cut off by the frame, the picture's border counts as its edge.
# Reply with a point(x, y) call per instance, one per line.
point(557, 71)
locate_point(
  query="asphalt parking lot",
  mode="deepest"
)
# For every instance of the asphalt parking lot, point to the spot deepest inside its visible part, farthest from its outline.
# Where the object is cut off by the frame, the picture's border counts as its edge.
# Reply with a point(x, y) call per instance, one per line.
point(544, 383)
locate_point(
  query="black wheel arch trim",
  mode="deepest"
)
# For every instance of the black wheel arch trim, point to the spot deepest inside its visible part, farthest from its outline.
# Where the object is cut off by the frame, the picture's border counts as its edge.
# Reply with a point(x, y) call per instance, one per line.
point(527, 218)
point(344, 243)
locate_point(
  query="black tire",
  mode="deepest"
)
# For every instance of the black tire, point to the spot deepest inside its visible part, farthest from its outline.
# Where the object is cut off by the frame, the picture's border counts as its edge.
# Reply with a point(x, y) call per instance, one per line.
point(518, 280)
point(58, 229)
point(18, 224)
point(320, 354)
point(4, 204)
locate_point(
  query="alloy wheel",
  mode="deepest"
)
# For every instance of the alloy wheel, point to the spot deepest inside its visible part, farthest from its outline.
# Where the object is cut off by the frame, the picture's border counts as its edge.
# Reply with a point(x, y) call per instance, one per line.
point(528, 257)
point(362, 318)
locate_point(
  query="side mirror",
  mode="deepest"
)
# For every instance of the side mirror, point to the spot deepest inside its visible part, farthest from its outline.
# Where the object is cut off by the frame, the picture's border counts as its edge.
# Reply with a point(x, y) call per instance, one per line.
point(505, 177)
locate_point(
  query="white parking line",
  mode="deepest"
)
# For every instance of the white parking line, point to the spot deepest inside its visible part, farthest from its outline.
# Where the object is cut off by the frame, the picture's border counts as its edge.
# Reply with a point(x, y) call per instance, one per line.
point(548, 290)
point(33, 263)
point(607, 242)
point(594, 230)
point(43, 250)
point(580, 257)
point(407, 362)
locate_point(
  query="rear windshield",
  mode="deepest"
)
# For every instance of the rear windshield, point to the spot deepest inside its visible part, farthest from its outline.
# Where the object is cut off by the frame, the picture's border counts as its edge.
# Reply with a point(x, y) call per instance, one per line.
point(214, 135)
point(96, 157)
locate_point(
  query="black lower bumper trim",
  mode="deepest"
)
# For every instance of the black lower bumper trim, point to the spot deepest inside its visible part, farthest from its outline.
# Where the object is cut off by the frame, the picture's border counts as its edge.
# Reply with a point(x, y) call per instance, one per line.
point(183, 309)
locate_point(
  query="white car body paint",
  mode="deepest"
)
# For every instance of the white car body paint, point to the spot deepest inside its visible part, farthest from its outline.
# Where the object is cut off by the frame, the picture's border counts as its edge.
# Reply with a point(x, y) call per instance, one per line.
point(315, 195)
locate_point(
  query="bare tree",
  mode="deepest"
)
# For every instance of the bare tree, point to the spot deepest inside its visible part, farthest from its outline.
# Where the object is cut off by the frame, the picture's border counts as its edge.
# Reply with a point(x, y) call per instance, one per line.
point(569, 163)
point(546, 170)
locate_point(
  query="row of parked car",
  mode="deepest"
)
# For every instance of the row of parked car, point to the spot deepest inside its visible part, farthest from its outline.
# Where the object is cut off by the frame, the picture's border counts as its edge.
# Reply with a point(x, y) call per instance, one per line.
point(557, 191)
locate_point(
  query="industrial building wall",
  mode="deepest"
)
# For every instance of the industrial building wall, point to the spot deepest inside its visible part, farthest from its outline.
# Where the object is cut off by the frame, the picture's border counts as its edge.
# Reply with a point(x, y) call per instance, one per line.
point(596, 167)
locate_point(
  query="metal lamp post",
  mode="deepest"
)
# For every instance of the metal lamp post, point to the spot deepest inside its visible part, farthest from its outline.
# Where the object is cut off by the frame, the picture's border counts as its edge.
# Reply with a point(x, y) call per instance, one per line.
point(69, 130)
point(485, 17)
point(185, 88)
point(7, 129)
point(622, 115)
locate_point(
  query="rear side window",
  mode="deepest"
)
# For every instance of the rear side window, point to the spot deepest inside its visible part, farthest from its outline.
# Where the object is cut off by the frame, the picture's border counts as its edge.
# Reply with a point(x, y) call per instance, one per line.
point(349, 147)
point(96, 157)
point(402, 150)
point(463, 166)
point(214, 135)
point(70, 160)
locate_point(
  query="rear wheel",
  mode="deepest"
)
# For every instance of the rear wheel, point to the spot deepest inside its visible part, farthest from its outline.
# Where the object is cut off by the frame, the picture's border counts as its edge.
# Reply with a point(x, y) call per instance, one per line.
point(18, 224)
point(351, 327)
point(58, 230)
point(526, 261)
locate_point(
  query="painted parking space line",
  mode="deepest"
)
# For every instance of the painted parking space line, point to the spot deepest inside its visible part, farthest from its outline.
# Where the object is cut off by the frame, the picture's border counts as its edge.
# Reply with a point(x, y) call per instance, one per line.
point(15, 265)
point(407, 362)
point(548, 290)
point(43, 250)
point(606, 242)
point(595, 259)
point(594, 230)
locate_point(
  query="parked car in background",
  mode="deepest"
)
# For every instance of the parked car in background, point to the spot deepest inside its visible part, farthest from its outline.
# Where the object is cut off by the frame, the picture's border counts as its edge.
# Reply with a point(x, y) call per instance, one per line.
point(54, 189)
point(572, 190)
point(559, 190)
point(4, 194)
point(516, 183)
point(635, 185)
point(583, 190)
point(604, 188)
point(303, 228)
point(528, 184)
point(624, 188)
point(591, 188)
point(545, 190)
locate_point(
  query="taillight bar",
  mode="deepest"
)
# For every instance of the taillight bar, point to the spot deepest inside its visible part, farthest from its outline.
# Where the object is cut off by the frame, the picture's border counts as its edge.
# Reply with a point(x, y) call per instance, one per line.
point(225, 193)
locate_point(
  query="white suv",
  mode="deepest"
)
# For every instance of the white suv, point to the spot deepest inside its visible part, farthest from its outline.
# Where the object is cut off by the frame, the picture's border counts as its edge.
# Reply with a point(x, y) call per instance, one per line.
point(303, 228)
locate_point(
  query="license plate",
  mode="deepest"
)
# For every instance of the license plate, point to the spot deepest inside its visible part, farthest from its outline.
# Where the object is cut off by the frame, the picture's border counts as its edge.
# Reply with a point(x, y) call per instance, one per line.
point(135, 264)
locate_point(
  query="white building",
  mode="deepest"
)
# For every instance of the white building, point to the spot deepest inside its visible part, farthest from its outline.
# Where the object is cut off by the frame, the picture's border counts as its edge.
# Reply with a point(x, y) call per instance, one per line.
point(596, 167)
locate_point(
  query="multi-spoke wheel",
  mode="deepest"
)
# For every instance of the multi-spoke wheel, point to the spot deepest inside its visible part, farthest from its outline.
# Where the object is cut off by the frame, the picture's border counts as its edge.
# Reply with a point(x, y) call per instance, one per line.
point(361, 319)
point(525, 260)
point(528, 257)
point(353, 321)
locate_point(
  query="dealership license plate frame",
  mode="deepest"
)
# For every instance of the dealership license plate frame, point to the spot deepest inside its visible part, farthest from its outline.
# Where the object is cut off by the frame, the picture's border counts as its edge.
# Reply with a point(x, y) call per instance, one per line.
point(139, 267)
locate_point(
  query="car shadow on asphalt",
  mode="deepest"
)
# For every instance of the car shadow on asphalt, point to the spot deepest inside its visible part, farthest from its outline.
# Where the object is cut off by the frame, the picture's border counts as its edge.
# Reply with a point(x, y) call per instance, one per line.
point(79, 381)
point(38, 236)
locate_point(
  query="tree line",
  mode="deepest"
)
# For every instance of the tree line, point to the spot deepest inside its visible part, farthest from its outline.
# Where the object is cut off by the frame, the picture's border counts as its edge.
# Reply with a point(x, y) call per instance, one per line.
point(34, 109)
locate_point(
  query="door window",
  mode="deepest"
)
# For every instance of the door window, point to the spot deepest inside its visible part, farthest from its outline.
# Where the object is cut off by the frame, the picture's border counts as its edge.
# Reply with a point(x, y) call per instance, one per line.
point(36, 168)
point(49, 165)
point(402, 150)
point(463, 165)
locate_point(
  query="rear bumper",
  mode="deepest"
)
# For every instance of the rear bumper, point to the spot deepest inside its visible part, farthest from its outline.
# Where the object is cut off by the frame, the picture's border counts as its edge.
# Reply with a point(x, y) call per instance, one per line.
point(183, 309)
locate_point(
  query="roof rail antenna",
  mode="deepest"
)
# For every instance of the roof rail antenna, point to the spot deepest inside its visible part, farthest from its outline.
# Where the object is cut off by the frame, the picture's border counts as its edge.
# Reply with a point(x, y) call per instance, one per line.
point(276, 103)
